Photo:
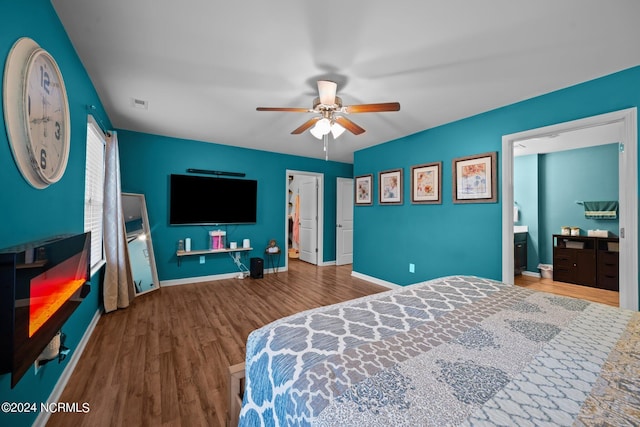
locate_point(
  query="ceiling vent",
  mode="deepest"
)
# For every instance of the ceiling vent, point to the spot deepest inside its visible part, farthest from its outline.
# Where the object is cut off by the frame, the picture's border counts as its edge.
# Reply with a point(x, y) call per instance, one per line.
point(140, 103)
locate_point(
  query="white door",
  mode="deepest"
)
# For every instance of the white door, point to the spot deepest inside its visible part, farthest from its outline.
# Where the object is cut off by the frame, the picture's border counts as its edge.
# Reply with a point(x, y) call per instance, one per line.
point(308, 190)
point(344, 222)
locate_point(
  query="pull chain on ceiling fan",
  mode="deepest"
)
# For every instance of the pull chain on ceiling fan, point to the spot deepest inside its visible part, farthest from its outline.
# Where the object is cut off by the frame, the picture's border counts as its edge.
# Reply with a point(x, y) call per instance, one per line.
point(330, 114)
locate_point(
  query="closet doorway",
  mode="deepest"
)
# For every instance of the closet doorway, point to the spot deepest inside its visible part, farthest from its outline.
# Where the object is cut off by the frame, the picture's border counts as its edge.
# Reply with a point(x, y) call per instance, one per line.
point(304, 216)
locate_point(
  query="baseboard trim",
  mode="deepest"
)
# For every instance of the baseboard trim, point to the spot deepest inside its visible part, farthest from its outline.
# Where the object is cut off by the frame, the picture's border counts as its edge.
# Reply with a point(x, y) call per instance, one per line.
point(214, 277)
point(531, 274)
point(199, 279)
point(273, 270)
point(375, 280)
point(43, 417)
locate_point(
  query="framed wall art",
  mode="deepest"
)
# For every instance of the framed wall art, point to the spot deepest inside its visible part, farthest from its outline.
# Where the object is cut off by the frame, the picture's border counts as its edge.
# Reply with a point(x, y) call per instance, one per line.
point(426, 183)
point(391, 187)
point(475, 179)
point(363, 188)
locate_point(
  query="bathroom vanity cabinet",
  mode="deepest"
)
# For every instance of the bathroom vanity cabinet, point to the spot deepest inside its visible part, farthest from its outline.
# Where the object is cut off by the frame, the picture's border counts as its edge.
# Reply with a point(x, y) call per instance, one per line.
point(519, 253)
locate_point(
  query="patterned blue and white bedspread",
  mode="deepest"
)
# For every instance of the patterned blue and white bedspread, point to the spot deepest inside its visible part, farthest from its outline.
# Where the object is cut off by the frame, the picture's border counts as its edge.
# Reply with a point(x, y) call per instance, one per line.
point(452, 351)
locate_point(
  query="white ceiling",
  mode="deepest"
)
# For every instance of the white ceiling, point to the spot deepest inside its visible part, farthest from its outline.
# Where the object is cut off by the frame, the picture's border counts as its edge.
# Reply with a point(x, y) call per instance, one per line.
point(203, 66)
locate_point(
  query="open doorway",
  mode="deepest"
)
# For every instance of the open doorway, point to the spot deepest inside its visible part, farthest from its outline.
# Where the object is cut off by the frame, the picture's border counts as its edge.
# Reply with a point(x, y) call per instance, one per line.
point(304, 217)
point(625, 124)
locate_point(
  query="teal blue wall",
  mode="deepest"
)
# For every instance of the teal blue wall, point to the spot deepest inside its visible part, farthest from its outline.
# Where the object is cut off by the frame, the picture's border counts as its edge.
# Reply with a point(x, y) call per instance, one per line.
point(547, 186)
point(163, 156)
point(28, 214)
point(525, 195)
point(570, 176)
point(462, 238)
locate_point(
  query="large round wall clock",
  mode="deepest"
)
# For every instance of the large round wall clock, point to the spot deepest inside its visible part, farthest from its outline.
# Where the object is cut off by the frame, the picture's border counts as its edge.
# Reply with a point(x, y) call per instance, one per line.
point(36, 112)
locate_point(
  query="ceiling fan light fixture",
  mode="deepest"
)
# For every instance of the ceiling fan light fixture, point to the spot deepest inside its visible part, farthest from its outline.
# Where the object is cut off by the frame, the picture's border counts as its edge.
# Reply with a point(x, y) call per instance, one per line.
point(329, 118)
point(316, 132)
point(327, 91)
point(337, 130)
point(323, 126)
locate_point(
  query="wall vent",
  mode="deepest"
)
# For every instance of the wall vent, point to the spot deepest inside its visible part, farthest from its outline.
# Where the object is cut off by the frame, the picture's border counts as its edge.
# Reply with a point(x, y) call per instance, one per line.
point(140, 103)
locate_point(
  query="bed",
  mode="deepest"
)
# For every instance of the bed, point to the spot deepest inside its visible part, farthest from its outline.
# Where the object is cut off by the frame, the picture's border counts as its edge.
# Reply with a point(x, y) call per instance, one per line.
point(457, 350)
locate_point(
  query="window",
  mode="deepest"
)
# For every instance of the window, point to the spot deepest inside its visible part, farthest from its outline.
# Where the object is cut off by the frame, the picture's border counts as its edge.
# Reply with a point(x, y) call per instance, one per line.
point(94, 191)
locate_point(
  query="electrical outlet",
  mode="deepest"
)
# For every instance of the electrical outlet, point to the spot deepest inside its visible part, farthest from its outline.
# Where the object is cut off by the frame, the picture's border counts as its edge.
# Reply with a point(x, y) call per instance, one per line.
point(412, 267)
point(201, 259)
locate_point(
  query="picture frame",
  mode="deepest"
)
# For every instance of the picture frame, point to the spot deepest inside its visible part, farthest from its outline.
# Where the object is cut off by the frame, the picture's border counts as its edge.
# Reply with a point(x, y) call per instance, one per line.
point(390, 187)
point(363, 190)
point(426, 183)
point(475, 178)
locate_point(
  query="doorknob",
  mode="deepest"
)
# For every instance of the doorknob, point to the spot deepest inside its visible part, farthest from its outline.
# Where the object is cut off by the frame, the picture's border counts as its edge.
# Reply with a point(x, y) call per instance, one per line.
point(340, 225)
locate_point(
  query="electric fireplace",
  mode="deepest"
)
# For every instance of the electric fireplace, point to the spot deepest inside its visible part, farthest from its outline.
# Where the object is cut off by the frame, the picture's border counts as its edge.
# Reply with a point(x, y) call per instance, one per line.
point(41, 284)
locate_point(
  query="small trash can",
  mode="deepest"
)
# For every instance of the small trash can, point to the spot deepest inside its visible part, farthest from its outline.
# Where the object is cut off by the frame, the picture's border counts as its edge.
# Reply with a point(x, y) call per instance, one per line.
point(256, 268)
point(546, 271)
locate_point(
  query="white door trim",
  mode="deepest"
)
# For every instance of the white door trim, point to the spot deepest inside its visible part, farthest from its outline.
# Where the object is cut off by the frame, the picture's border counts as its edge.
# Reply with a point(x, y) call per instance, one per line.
point(628, 195)
point(320, 178)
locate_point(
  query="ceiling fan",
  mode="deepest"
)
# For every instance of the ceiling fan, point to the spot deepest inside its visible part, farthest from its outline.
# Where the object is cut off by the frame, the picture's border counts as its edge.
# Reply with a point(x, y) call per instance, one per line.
point(330, 113)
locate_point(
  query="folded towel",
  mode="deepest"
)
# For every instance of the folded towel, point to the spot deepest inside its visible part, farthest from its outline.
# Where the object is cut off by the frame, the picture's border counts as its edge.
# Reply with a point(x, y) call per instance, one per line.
point(600, 210)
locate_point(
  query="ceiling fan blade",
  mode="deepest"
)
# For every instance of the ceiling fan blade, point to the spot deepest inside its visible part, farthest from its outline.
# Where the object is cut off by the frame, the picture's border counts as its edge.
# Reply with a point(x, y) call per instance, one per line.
point(373, 108)
point(349, 125)
point(293, 110)
point(327, 92)
point(306, 125)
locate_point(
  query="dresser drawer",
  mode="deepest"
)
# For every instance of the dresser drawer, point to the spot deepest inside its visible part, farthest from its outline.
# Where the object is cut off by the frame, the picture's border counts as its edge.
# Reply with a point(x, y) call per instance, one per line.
point(562, 274)
point(564, 256)
point(608, 282)
point(563, 261)
point(608, 269)
point(607, 257)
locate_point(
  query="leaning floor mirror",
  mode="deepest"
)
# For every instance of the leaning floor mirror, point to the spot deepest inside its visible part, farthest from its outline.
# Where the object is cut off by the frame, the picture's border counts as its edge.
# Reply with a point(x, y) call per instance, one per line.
point(139, 245)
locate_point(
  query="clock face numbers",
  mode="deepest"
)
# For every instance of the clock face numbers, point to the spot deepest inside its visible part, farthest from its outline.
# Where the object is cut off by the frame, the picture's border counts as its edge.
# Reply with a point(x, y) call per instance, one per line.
point(45, 105)
point(36, 113)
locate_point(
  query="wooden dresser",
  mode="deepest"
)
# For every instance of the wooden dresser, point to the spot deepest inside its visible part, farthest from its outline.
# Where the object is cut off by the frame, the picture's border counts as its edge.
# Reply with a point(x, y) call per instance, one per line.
point(583, 260)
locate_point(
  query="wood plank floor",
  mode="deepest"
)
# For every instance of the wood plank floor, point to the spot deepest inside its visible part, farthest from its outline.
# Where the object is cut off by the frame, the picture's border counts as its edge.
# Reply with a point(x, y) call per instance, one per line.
point(164, 360)
point(568, 289)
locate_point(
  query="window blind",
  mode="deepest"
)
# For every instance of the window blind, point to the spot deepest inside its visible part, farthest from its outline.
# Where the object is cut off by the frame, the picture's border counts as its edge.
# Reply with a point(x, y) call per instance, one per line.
point(94, 191)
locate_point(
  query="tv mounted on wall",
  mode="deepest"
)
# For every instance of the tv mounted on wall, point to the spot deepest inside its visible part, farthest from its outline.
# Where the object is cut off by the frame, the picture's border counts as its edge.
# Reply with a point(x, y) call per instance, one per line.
point(203, 200)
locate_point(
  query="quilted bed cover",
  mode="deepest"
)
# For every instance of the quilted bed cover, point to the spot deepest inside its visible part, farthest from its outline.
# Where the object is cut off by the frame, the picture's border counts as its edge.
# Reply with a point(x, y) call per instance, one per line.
point(456, 350)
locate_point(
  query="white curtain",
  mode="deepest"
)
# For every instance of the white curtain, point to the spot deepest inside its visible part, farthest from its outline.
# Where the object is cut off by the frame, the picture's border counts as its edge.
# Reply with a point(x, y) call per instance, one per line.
point(118, 286)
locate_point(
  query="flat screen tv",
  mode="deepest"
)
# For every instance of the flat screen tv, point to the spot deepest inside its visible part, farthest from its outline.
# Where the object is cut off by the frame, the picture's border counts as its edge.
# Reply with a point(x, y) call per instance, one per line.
point(204, 200)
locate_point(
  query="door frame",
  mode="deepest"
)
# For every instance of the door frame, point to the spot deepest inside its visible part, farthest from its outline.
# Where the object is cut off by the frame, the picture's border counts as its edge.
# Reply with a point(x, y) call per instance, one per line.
point(320, 238)
point(627, 188)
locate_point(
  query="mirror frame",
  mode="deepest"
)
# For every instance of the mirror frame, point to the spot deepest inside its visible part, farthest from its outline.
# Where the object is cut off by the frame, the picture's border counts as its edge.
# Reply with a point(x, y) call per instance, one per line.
point(147, 231)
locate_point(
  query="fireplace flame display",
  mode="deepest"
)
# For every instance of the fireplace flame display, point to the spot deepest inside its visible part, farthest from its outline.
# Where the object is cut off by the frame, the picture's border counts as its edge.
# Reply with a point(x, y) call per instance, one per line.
point(51, 289)
point(41, 284)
